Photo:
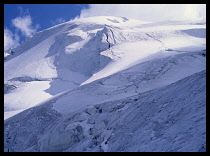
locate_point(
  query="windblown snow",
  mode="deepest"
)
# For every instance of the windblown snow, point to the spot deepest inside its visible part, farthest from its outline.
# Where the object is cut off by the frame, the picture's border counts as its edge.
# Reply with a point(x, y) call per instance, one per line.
point(108, 84)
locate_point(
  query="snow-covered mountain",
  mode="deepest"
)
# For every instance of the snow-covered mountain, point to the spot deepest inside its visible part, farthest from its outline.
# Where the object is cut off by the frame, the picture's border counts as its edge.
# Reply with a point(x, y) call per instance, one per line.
point(108, 84)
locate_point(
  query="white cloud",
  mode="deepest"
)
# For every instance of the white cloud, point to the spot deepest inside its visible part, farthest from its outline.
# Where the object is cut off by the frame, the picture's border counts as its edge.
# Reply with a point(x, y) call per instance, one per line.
point(24, 24)
point(10, 40)
point(147, 12)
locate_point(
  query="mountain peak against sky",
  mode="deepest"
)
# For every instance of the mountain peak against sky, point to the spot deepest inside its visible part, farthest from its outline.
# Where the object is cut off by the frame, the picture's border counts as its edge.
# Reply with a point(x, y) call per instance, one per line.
point(73, 33)
point(95, 65)
point(24, 20)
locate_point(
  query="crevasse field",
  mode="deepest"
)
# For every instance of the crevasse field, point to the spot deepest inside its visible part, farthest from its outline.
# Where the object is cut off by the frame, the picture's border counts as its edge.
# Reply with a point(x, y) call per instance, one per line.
point(108, 84)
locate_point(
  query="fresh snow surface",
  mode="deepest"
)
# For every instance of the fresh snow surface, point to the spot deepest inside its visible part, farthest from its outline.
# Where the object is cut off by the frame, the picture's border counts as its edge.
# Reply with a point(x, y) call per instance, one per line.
point(83, 85)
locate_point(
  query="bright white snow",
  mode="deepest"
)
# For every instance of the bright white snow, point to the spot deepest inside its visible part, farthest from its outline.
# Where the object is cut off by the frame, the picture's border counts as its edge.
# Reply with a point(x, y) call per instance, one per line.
point(106, 63)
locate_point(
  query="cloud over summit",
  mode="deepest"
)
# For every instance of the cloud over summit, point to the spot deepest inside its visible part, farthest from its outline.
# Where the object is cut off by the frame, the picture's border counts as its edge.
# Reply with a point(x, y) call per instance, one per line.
point(147, 12)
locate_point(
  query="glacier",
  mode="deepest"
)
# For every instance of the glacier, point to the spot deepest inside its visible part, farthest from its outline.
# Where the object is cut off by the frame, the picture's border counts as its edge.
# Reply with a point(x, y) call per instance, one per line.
point(108, 84)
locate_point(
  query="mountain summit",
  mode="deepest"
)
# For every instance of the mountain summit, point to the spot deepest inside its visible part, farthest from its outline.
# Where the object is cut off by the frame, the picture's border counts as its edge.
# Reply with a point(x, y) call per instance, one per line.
point(108, 84)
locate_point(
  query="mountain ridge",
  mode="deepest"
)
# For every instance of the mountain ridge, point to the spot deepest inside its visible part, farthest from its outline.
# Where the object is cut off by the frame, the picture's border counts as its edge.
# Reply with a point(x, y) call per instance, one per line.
point(74, 79)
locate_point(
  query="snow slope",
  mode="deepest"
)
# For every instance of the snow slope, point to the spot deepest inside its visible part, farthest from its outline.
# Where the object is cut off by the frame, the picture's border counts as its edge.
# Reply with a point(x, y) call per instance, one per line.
point(84, 65)
point(80, 51)
point(171, 118)
point(54, 56)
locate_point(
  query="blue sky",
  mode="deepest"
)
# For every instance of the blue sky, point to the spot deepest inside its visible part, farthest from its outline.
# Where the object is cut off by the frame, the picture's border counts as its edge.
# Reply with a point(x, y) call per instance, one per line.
point(24, 20)
point(42, 16)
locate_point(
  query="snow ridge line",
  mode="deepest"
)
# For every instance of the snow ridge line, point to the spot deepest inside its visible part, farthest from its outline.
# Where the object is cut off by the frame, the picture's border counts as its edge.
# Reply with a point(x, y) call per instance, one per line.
point(107, 39)
point(113, 35)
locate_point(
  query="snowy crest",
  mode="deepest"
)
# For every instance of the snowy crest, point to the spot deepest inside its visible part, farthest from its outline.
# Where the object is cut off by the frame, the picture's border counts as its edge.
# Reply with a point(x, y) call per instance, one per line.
point(107, 84)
